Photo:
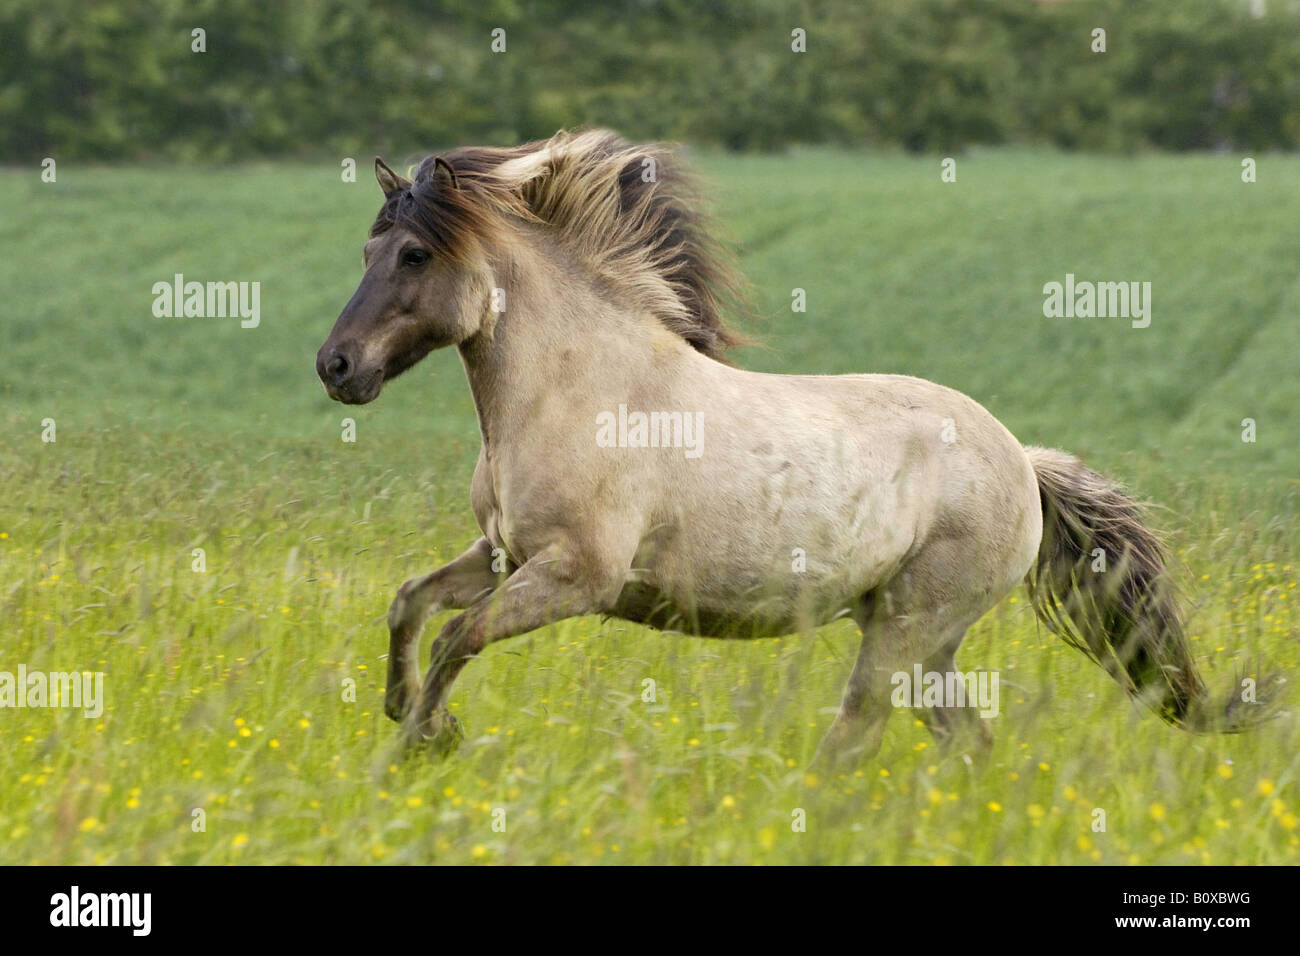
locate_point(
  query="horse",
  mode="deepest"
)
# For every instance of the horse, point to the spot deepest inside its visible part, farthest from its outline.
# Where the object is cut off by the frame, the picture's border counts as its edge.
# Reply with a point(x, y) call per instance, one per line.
point(579, 278)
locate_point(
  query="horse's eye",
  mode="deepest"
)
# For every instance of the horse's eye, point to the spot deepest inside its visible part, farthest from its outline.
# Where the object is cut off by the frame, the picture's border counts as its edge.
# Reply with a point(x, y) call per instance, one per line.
point(414, 257)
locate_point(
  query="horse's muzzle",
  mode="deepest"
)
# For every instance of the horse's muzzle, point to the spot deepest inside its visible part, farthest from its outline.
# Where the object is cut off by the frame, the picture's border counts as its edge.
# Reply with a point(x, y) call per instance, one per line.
point(343, 381)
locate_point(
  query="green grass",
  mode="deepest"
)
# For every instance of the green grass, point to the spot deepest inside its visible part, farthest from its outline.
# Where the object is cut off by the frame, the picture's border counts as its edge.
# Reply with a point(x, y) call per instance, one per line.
point(225, 688)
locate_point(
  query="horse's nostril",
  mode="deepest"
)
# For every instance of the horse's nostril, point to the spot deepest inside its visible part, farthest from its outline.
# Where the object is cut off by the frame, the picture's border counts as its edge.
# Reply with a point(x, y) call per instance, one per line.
point(337, 368)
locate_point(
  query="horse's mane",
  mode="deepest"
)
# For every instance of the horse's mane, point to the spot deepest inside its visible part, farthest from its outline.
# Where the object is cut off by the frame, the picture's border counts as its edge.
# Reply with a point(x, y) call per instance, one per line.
point(627, 212)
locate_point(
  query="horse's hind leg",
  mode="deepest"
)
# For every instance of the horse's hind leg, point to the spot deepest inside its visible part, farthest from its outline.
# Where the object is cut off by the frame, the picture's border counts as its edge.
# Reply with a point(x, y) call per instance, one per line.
point(956, 726)
point(453, 586)
point(890, 643)
point(895, 637)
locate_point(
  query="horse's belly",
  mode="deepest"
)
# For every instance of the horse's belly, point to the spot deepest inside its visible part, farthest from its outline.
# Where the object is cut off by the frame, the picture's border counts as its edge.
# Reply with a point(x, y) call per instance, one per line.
point(747, 588)
point(648, 605)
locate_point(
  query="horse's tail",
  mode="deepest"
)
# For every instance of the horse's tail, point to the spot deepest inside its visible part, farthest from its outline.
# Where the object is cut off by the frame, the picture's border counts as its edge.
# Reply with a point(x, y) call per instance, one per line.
point(1101, 584)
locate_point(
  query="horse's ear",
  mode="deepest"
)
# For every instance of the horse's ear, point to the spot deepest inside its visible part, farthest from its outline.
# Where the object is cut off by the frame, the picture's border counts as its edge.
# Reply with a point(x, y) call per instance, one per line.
point(389, 181)
point(444, 170)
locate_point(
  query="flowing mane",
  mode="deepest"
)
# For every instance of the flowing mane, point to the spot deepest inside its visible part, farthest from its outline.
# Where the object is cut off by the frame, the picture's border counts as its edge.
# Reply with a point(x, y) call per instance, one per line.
point(628, 213)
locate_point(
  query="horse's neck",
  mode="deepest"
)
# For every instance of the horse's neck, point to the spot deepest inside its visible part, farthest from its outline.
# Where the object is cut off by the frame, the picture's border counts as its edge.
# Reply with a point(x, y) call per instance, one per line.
point(557, 331)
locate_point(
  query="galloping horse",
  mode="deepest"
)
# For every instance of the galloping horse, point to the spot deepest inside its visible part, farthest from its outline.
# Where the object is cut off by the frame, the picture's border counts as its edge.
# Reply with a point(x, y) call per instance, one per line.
point(578, 280)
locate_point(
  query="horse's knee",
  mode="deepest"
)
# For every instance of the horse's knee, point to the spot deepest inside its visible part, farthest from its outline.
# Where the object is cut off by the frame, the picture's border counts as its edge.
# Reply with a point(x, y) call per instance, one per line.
point(405, 613)
point(397, 610)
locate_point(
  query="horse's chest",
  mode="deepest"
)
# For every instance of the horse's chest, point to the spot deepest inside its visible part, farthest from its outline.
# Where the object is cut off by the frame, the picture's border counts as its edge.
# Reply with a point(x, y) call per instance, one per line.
point(499, 516)
point(486, 504)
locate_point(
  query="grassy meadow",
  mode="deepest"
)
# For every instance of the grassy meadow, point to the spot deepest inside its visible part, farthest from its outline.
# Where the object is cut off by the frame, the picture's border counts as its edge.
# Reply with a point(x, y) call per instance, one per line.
point(227, 688)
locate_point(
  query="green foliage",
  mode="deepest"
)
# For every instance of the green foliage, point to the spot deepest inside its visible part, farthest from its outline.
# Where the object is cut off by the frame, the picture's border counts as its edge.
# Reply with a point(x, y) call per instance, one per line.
point(117, 79)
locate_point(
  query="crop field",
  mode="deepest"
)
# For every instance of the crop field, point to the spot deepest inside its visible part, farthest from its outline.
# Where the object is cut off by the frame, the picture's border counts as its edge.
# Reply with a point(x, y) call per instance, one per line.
point(199, 532)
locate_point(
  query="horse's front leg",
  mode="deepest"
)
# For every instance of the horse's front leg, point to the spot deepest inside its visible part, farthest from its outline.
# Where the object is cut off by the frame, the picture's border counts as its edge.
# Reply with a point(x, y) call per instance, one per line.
point(547, 588)
point(455, 585)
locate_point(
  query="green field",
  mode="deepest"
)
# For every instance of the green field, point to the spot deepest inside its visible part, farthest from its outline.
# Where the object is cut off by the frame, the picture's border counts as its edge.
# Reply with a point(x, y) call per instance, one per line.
point(225, 688)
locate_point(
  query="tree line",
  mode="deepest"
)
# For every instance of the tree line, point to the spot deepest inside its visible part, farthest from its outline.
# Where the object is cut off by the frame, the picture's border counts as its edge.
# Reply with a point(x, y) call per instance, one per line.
point(233, 80)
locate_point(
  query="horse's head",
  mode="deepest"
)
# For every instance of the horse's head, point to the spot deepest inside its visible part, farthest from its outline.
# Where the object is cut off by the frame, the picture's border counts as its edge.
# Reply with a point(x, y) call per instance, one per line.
point(426, 285)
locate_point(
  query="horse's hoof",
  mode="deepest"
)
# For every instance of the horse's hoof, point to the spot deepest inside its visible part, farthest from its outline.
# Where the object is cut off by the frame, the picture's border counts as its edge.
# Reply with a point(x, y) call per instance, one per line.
point(447, 734)
point(441, 735)
point(396, 706)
